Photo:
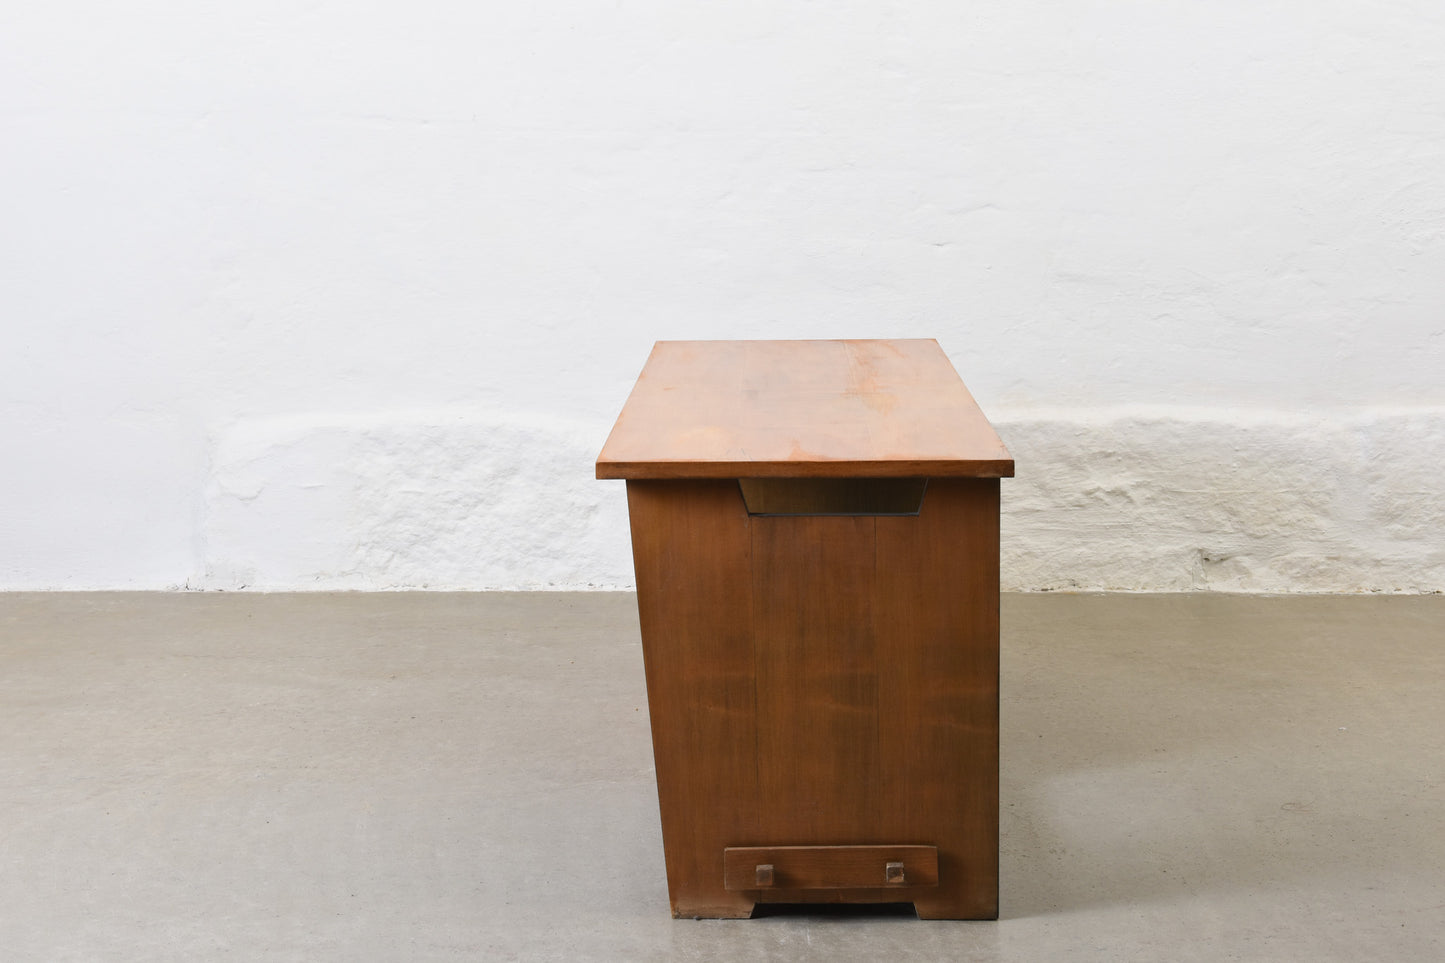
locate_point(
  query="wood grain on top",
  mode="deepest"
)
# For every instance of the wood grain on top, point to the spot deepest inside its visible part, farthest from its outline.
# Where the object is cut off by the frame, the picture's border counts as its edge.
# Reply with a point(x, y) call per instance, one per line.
point(757, 409)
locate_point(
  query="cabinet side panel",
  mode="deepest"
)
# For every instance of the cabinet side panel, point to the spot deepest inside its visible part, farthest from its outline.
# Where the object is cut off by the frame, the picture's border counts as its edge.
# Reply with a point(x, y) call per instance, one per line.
point(936, 619)
point(691, 553)
point(818, 768)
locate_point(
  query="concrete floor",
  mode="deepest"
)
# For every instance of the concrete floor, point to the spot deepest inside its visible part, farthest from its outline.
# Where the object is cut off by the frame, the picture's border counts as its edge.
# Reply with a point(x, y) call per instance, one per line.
point(435, 777)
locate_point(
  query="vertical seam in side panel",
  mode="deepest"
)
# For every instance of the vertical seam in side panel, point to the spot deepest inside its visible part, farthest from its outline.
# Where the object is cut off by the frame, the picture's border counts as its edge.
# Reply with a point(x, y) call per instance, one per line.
point(880, 785)
point(753, 637)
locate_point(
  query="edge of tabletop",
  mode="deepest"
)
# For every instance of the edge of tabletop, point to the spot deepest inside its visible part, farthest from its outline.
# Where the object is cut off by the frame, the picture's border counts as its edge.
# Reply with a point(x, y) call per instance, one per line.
point(994, 468)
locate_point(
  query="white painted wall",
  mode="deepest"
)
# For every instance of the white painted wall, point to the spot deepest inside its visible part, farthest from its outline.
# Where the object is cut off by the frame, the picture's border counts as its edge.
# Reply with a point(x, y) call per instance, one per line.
point(347, 294)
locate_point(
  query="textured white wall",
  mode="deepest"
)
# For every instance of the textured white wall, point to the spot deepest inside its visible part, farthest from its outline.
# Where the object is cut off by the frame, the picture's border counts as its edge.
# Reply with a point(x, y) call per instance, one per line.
point(347, 295)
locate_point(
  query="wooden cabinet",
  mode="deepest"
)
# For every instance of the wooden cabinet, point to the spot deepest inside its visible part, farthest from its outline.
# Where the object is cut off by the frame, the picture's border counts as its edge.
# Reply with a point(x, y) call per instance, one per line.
point(815, 536)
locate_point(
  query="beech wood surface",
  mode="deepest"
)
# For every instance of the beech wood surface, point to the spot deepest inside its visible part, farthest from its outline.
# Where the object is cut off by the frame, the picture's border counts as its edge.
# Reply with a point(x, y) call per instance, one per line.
point(817, 677)
point(936, 623)
point(692, 555)
point(757, 409)
point(822, 681)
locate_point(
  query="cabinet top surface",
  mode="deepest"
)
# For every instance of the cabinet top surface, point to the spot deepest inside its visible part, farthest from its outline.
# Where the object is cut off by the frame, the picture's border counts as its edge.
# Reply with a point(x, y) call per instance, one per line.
point(740, 409)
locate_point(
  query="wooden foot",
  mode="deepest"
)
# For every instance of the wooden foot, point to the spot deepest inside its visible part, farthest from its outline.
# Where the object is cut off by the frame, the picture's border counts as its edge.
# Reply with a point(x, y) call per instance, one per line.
point(719, 905)
point(953, 909)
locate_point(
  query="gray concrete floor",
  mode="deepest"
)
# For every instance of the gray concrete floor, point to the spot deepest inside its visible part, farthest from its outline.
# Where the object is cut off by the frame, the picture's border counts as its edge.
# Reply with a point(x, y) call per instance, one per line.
point(426, 776)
